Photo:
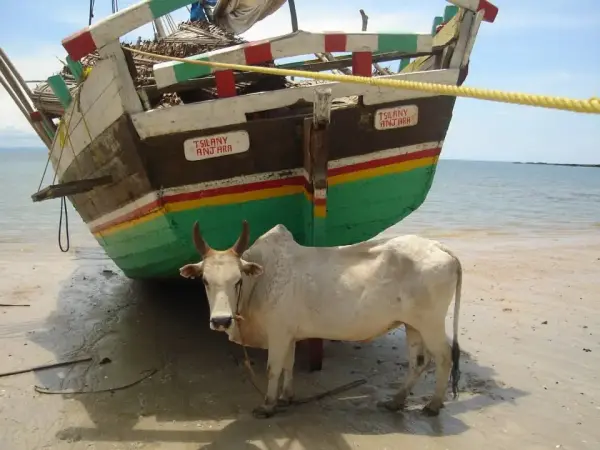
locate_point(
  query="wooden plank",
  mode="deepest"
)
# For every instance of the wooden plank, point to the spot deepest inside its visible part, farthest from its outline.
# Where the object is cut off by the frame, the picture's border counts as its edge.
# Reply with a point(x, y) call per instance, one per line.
point(99, 102)
point(472, 38)
point(293, 44)
point(490, 11)
point(82, 133)
point(116, 153)
point(128, 94)
point(70, 188)
point(228, 111)
point(153, 93)
point(443, 38)
point(276, 147)
point(111, 28)
point(463, 38)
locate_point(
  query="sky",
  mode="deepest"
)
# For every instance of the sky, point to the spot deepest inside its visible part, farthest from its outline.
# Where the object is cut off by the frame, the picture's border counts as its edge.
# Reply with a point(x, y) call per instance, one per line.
point(535, 46)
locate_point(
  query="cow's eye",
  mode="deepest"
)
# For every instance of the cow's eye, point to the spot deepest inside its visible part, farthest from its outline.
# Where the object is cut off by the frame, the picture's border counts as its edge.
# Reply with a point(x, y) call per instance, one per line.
point(205, 281)
point(238, 285)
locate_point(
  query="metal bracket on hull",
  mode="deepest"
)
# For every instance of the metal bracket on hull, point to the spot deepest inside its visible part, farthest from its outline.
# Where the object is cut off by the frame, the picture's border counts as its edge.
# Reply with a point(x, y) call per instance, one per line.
point(70, 188)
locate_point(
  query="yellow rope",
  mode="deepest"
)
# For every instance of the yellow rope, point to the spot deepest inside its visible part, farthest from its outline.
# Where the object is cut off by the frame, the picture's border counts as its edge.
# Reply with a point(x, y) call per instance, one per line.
point(591, 105)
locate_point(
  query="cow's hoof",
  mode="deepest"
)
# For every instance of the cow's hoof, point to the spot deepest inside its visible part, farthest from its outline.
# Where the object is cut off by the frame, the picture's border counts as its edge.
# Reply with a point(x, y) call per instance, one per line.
point(431, 411)
point(263, 412)
point(391, 405)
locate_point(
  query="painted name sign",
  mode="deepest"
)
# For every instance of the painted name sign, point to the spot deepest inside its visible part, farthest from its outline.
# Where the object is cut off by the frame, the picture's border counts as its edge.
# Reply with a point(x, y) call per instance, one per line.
point(216, 145)
point(397, 117)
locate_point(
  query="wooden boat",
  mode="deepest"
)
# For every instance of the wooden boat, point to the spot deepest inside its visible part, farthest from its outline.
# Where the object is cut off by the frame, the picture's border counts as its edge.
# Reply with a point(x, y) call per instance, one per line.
point(336, 163)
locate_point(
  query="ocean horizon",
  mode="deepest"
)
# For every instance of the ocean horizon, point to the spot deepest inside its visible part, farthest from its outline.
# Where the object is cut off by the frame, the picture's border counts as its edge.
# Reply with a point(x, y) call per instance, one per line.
point(466, 197)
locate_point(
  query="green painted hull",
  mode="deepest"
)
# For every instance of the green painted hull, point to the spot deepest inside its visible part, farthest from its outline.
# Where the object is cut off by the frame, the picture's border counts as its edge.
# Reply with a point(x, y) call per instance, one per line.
point(356, 211)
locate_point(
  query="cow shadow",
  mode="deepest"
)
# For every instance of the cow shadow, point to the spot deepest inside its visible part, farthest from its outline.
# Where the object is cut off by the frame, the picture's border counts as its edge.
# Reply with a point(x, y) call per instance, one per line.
point(201, 392)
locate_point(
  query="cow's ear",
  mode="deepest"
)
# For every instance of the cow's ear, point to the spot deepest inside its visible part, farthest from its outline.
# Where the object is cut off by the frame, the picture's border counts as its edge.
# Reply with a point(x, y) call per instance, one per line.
point(252, 269)
point(192, 270)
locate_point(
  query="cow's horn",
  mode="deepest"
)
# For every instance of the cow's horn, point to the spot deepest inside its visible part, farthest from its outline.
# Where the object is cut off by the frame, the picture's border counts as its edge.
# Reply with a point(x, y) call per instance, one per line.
point(199, 242)
point(241, 244)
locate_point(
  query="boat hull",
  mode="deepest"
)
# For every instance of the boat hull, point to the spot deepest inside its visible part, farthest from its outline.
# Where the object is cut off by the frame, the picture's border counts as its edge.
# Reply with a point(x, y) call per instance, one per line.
point(375, 179)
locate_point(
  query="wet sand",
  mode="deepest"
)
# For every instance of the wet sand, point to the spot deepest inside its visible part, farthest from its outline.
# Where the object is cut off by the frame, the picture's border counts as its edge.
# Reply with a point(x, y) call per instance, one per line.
point(529, 334)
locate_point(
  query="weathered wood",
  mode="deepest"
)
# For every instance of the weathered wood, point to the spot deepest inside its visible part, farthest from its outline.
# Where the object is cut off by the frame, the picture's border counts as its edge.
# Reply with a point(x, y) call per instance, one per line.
point(463, 38)
point(275, 143)
point(127, 93)
point(441, 41)
point(365, 19)
point(116, 152)
point(235, 110)
point(293, 15)
point(472, 37)
point(322, 107)
point(316, 153)
point(70, 188)
point(98, 106)
point(365, 23)
point(327, 57)
point(141, 168)
point(113, 27)
point(317, 65)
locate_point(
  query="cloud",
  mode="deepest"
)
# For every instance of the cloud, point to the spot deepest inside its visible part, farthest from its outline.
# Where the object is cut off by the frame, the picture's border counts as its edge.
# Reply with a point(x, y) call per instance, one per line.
point(37, 65)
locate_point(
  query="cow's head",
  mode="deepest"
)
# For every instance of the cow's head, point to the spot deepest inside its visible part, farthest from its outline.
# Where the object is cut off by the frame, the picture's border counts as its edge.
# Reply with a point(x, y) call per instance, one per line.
point(222, 273)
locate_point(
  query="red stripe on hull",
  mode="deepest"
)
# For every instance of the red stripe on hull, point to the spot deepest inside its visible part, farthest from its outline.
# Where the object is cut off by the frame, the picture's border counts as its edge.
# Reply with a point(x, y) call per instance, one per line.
point(260, 185)
point(135, 214)
point(229, 190)
point(384, 162)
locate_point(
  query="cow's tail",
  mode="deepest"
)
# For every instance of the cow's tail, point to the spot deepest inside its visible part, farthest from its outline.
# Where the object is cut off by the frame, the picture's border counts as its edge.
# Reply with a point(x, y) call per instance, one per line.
point(455, 372)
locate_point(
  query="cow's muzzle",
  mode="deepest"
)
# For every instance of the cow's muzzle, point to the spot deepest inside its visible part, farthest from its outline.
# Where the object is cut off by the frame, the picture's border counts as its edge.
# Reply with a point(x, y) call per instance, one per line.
point(221, 323)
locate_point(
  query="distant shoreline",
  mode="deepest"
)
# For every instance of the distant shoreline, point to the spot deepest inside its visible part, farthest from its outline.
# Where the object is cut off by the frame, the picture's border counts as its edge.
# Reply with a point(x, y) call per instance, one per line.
point(558, 164)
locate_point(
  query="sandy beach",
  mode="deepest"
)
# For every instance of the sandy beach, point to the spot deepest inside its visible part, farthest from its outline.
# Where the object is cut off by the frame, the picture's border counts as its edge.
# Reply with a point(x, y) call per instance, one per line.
point(529, 334)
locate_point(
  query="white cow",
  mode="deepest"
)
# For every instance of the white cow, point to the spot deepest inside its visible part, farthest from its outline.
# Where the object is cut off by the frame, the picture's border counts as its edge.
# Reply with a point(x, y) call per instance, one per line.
point(283, 292)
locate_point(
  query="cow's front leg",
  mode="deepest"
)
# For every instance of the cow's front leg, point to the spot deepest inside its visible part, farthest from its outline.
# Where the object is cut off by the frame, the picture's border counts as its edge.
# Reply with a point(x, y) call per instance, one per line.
point(287, 393)
point(278, 349)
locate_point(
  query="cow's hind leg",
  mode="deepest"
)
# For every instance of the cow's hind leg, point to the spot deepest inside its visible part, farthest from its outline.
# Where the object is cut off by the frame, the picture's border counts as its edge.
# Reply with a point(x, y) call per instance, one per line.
point(418, 359)
point(287, 392)
point(434, 336)
point(278, 349)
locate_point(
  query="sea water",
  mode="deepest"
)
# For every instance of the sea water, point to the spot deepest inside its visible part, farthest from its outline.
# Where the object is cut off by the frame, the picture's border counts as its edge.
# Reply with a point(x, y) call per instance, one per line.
point(466, 197)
